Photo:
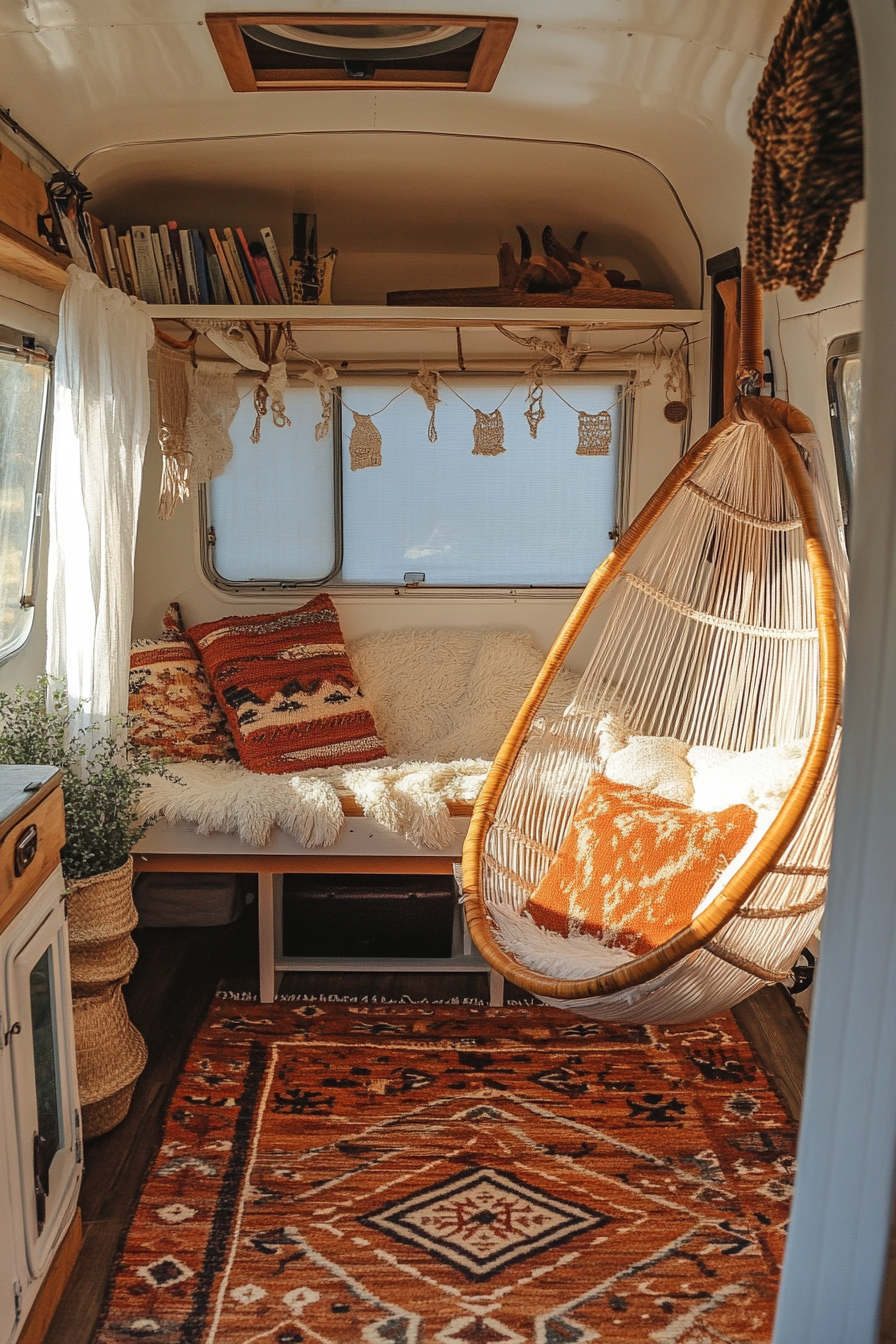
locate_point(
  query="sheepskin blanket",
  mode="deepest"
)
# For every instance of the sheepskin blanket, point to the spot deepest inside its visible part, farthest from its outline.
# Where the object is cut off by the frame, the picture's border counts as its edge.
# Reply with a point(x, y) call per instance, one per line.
point(442, 701)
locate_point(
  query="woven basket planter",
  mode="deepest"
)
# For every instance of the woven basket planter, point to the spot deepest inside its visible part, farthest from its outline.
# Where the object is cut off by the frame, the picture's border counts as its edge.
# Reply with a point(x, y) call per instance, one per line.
point(101, 907)
point(96, 964)
point(110, 1054)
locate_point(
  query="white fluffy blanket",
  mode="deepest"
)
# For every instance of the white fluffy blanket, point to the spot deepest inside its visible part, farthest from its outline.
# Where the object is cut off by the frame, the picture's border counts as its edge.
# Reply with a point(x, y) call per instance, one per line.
point(442, 700)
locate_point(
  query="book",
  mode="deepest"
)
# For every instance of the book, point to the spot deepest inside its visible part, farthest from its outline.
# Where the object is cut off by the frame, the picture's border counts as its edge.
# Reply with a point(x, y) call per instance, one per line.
point(127, 251)
point(220, 292)
point(270, 246)
point(97, 255)
point(266, 279)
point(145, 261)
point(233, 254)
point(199, 266)
point(174, 237)
point(120, 260)
point(168, 263)
point(186, 248)
point(249, 265)
point(160, 267)
point(111, 263)
point(225, 267)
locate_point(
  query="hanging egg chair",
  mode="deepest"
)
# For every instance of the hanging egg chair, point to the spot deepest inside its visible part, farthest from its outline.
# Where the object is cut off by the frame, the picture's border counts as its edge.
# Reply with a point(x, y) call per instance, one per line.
point(718, 621)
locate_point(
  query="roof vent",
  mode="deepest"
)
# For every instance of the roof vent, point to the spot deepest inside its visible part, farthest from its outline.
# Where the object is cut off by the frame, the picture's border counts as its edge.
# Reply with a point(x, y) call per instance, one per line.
point(332, 51)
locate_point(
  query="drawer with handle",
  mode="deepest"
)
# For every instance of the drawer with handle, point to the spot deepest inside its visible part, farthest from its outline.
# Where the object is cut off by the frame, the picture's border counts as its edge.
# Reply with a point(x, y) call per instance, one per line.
point(29, 851)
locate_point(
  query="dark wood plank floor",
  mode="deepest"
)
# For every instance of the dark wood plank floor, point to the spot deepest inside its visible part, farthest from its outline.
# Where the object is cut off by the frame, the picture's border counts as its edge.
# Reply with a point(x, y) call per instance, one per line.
point(172, 986)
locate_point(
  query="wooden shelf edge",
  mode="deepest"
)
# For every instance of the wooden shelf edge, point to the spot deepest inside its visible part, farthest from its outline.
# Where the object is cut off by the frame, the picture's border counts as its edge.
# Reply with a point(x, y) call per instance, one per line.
point(20, 255)
point(341, 315)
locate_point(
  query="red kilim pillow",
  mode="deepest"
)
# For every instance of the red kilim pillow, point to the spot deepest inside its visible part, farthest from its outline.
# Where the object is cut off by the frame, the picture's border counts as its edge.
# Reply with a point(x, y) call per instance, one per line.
point(288, 690)
point(635, 866)
point(172, 709)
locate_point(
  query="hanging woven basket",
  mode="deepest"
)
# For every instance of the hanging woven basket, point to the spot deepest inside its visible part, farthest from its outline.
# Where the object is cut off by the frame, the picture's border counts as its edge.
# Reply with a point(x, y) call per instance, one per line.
point(101, 907)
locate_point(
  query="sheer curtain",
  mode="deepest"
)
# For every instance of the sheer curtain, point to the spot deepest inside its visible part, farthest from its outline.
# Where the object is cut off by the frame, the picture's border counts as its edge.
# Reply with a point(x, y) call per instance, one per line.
point(100, 426)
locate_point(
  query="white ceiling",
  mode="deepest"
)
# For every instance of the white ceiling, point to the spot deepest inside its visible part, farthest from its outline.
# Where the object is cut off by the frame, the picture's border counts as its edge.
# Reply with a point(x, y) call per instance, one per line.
point(110, 84)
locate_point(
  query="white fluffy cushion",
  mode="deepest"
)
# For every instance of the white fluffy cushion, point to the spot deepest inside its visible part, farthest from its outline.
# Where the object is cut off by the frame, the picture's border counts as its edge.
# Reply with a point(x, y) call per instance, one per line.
point(446, 695)
point(762, 779)
point(658, 764)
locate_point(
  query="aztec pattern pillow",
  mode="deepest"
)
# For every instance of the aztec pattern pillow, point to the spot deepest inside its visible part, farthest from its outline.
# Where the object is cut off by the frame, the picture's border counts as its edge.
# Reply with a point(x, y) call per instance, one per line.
point(288, 689)
point(634, 866)
point(172, 708)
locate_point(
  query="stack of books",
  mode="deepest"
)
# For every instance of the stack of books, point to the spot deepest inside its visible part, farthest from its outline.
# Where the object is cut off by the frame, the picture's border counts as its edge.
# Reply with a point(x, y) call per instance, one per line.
point(187, 266)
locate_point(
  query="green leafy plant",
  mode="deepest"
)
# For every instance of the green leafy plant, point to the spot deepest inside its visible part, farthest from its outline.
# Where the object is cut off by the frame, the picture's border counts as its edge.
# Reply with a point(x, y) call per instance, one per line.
point(101, 778)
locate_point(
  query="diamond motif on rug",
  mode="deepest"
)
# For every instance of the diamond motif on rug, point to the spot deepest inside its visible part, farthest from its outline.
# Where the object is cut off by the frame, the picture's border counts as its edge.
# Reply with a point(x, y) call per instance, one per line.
point(483, 1221)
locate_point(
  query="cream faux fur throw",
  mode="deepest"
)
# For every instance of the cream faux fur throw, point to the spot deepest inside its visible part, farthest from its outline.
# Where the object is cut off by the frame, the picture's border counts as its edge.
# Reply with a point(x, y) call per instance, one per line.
point(442, 701)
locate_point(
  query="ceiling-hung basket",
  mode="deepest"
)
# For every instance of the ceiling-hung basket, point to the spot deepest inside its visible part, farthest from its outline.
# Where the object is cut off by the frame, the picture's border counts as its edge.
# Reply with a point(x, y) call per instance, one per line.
point(719, 620)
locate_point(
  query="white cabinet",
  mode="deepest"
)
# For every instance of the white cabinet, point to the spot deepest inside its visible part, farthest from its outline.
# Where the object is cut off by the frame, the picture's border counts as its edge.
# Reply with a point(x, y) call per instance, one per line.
point(40, 1139)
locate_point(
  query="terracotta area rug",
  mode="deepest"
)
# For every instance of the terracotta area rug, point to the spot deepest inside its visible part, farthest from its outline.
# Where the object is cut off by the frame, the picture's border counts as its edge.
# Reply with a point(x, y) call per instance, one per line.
point(440, 1175)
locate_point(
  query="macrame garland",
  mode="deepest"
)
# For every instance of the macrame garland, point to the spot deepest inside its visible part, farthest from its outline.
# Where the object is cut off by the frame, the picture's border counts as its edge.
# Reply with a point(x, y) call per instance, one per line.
point(174, 379)
point(426, 385)
point(365, 444)
point(535, 411)
point(272, 386)
point(488, 433)
point(595, 434)
point(214, 401)
point(321, 376)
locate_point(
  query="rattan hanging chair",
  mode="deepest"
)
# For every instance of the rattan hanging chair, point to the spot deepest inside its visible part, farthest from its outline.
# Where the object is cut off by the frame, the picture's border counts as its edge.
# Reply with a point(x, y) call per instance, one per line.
point(720, 621)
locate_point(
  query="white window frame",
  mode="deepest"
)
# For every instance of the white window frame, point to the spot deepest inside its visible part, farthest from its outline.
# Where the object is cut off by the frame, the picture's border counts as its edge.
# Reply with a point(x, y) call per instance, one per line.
point(264, 588)
point(12, 347)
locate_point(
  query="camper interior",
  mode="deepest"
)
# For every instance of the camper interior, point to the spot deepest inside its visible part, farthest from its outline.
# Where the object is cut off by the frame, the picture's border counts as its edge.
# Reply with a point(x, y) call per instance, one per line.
point(432, 499)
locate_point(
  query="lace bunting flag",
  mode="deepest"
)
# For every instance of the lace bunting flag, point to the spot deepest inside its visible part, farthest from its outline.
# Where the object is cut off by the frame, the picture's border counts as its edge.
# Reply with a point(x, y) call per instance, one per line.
point(595, 434)
point(488, 433)
point(426, 385)
point(365, 443)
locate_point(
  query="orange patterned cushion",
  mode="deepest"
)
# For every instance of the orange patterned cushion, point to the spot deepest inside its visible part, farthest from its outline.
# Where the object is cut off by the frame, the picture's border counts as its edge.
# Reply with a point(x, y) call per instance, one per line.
point(635, 866)
point(171, 706)
point(288, 690)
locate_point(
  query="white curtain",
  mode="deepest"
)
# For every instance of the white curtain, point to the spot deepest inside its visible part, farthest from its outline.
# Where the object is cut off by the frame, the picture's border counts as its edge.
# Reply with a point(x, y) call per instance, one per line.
point(100, 427)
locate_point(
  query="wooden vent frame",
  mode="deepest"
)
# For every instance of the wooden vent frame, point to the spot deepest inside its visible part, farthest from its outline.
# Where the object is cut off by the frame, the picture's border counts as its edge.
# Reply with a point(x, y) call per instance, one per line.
point(230, 43)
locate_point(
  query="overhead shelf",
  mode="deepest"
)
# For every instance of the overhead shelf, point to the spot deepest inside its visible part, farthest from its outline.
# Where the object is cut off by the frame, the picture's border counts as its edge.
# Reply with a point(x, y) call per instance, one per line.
point(20, 255)
point(361, 316)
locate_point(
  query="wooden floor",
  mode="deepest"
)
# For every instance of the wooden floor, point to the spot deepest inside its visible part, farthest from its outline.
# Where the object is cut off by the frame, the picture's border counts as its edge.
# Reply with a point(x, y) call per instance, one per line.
point(174, 982)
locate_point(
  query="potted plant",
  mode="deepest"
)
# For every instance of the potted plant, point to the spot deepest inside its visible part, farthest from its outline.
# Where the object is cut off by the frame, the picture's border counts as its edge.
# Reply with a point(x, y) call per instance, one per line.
point(102, 779)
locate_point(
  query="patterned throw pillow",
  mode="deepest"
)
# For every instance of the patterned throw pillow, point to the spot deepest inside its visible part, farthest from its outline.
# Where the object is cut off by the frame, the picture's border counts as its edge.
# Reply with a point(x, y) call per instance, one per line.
point(635, 866)
point(287, 687)
point(172, 708)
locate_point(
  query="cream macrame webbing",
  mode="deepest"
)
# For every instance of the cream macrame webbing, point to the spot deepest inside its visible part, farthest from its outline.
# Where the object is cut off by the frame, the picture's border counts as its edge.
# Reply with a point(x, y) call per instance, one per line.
point(365, 444)
point(174, 381)
point(213, 402)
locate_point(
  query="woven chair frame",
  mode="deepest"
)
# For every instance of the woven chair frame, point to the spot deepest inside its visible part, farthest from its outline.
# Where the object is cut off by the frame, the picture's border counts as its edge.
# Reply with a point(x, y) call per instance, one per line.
point(779, 422)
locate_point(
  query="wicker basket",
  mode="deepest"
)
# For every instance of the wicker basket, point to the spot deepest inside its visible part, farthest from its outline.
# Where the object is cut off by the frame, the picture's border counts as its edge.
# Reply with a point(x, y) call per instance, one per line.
point(96, 964)
point(98, 1117)
point(109, 1050)
point(101, 907)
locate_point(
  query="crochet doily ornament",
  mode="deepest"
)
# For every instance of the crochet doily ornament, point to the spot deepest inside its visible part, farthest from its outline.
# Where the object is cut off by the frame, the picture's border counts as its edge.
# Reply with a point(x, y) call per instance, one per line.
point(365, 444)
point(488, 433)
point(595, 434)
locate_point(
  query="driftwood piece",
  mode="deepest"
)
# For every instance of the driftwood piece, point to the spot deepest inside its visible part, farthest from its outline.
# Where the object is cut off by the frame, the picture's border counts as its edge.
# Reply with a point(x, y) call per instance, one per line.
point(497, 297)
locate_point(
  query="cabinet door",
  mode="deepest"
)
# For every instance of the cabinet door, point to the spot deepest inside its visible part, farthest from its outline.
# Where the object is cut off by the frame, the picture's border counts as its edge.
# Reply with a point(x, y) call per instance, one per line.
point(44, 1083)
point(10, 1222)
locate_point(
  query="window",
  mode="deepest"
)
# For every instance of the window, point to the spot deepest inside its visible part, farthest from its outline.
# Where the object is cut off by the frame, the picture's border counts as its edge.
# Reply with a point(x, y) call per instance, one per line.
point(24, 389)
point(291, 510)
point(844, 377)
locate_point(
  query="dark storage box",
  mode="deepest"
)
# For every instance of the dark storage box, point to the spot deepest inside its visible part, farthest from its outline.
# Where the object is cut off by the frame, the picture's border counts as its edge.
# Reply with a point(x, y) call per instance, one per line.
point(367, 916)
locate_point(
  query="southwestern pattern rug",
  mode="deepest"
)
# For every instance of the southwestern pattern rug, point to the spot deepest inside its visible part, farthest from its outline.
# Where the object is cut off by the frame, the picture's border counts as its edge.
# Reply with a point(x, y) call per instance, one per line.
point(459, 1175)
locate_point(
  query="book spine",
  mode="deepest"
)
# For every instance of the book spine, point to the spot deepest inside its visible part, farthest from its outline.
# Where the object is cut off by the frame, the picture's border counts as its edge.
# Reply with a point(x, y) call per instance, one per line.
point(160, 268)
point(97, 254)
point(235, 265)
point(224, 263)
point(249, 266)
point(216, 278)
point(121, 261)
point(145, 261)
point(267, 237)
point(168, 263)
point(179, 271)
point(266, 277)
point(186, 248)
point(127, 249)
point(199, 266)
point(111, 266)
